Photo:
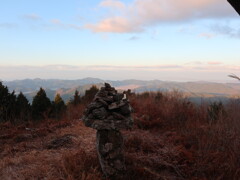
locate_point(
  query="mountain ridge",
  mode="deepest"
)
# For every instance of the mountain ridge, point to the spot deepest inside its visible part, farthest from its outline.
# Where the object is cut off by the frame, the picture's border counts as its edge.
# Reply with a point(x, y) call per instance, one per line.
point(66, 88)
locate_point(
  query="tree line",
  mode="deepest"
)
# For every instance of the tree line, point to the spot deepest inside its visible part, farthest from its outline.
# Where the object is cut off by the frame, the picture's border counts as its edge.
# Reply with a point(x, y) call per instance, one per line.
point(16, 107)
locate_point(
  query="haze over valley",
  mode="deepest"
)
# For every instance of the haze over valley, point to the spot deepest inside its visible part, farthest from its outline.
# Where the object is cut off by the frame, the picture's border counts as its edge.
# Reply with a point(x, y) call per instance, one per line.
point(66, 88)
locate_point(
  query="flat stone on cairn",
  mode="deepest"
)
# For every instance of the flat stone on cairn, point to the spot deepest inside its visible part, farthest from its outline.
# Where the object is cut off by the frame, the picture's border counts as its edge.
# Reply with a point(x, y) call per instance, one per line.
point(109, 112)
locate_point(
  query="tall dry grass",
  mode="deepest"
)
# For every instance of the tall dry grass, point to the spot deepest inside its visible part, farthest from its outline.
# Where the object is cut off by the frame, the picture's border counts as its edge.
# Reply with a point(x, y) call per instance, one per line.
point(213, 146)
point(172, 139)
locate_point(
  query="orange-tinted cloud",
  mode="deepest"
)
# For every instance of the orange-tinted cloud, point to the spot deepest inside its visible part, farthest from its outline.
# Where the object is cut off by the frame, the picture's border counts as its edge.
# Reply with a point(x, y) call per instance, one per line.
point(214, 63)
point(115, 24)
point(142, 13)
point(112, 4)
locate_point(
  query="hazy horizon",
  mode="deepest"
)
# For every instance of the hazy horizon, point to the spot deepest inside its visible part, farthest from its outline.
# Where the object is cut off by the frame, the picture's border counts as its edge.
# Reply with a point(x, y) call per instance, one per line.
point(230, 80)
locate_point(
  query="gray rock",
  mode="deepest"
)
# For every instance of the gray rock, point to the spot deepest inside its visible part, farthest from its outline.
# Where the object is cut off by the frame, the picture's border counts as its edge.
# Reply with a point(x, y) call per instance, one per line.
point(99, 113)
point(110, 147)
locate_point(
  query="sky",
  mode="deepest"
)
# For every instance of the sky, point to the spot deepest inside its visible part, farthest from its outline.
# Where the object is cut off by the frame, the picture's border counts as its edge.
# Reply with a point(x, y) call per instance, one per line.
point(172, 40)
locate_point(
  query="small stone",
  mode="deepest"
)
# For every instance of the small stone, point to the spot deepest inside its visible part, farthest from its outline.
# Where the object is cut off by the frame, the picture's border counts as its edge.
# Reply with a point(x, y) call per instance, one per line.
point(107, 85)
point(118, 97)
point(108, 147)
point(126, 109)
point(118, 116)
point(102, 101)
point(100, 113)
point(92, 106)
point(113, 106)
point(116, 105)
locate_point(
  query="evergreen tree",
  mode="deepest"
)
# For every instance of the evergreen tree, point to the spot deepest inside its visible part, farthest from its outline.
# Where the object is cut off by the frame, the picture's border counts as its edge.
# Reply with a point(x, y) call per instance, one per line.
point(23, 108)
point(12, 108)
point(7, 104)
point(90, 93)
point(4, 94)
point(41, 105)
point(76, 99)
point(59, 106)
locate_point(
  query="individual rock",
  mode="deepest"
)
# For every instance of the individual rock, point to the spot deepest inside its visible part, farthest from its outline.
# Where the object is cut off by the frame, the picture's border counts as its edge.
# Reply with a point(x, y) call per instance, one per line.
point(118, 116)
point(92, 106)
point(118, 97)
point(117, 105)
point(99, 113)
point(125, 110)
point(102, 101)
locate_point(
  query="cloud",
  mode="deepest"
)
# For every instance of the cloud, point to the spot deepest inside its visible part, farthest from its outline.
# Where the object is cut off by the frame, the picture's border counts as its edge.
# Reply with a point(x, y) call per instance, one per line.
point(114, 24)
point(143, 13)
point(59, 71)
point(226, 30)
point(209, 66)
point(207, 35)
point(59, 67)
point(144, 68)
point(59, 23)
point(214, 63)
point(112, 4)
point(8, 25)
point(56, 22)
point(162, 72)
point(194, 63)
point(133, 38)
point(33, 17)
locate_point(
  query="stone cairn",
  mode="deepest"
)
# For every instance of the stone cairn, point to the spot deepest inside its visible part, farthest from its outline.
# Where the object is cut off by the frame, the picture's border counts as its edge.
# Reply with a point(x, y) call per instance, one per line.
point(108, 113)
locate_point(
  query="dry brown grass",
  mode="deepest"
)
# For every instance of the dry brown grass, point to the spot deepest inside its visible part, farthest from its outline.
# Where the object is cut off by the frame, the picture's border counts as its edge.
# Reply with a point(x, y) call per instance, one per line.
point(26, 154)
point(172, 139)
point(203, 149)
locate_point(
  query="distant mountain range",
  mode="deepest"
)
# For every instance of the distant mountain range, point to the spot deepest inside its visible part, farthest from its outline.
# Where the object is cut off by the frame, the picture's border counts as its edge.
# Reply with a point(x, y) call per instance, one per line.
point(66, 88)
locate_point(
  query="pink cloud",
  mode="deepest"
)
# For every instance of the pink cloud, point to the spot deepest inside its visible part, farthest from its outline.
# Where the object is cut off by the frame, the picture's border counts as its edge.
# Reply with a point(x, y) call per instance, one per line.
point(112, 4)
point(142, 13)
point(215, 63)
point(115, 24)
point(176, 72)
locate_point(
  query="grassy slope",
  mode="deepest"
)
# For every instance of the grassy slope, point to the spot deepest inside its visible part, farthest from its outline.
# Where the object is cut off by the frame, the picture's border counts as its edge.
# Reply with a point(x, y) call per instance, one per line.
point(32, 154)
point(172, 139)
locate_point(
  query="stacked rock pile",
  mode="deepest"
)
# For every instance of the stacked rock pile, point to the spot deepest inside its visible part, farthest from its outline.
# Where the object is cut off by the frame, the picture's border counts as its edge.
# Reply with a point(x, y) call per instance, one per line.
point(108, 113)
point(109, 110)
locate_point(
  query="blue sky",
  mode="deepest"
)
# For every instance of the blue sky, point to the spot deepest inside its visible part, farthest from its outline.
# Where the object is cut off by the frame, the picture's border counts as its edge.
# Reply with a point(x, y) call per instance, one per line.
point(177, 40)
